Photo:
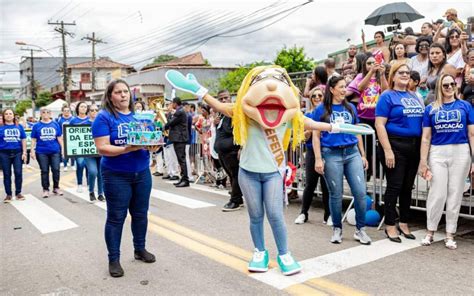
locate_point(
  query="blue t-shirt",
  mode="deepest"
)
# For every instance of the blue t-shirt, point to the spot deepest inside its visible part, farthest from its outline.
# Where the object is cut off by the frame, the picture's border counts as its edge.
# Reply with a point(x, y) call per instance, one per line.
point(77, 121)
point(449, 123)
point(106, 124)
point(46, 135)
point(339, 114)
point(309, 142)
point(11, 136)
point(61, 120)
point(404, 113)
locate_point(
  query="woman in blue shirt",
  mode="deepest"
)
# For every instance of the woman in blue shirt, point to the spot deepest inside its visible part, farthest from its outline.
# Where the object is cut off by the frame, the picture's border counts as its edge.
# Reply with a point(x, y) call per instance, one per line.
point(312, 177)
point(338, 155)
point(125, 172)
point(46, 148)
point(12, 153)
point(81, 118)
point(93, 165)
point(399, 115)
point(63, 119)
point(446, 147)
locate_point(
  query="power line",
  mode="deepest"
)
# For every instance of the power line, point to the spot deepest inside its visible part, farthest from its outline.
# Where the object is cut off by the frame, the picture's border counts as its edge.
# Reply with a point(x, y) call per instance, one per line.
point(94, 41)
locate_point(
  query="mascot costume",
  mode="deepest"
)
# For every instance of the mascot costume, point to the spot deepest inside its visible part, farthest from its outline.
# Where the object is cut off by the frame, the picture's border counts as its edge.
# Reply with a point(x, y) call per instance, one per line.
point(265, 117)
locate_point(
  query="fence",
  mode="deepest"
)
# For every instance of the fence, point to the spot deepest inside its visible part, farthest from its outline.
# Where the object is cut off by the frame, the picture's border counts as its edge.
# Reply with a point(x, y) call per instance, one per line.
point(375, 186)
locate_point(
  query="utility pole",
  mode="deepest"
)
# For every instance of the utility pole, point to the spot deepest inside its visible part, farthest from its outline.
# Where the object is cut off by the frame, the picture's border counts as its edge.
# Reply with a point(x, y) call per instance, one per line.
point(94, 41)
point(32, 83)
point(63, 33)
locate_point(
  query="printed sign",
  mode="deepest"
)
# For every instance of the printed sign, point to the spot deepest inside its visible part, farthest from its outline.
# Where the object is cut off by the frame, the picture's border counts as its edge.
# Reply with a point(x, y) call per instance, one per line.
point(78, 141)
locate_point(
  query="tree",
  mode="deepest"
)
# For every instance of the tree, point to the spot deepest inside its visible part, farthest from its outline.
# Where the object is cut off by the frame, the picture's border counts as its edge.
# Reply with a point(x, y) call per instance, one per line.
point(162, 59)
point(232, 80)
point(21, 106)
point(43, 99)
point(294, 59)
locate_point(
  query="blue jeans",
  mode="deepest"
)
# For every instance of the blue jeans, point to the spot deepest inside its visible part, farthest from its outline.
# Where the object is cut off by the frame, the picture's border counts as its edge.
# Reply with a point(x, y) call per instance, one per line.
point(340, 162)
point(93, 172)
point(126, 192)
point(80, 165)
point(264, 191)
point(8, 158)
point(65, 160)
point(46, 161)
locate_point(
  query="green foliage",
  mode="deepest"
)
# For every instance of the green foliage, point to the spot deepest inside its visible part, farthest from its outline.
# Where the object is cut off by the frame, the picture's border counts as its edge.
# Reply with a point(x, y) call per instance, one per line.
point(233, 79)
point(162, 59)
point(21, 106)
point(43, 99)
point(207, 63)
point(294, 59)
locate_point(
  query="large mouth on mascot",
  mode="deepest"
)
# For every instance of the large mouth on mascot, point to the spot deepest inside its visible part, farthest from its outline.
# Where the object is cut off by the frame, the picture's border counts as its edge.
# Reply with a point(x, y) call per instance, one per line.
point(271, 111)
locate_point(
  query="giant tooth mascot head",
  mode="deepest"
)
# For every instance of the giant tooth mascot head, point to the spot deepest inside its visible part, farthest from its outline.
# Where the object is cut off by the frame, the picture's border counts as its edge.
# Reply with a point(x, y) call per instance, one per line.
point(268, 97)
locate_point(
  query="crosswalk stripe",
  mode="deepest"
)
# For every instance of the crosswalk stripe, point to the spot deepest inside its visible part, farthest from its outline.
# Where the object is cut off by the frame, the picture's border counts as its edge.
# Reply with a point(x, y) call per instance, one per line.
point(42, 216)
point(338, 261)
point(85, 196)
point(204, 188)
point(180, 200)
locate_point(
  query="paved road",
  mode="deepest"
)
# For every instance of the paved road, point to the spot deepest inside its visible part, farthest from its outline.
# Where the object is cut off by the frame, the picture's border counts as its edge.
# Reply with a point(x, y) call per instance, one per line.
point(55, 246)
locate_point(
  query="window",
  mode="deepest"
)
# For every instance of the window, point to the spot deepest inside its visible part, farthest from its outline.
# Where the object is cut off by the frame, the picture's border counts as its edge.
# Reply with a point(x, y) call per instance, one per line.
point(85, 77)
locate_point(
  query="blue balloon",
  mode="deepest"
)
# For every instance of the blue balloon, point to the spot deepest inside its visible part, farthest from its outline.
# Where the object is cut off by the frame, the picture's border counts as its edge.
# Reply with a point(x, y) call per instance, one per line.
point(372, 218)
point(369, 202)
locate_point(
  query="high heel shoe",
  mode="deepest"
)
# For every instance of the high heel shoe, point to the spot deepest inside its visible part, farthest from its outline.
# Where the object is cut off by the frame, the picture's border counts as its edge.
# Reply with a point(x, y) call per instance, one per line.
point(393, 239)
point(406, 235)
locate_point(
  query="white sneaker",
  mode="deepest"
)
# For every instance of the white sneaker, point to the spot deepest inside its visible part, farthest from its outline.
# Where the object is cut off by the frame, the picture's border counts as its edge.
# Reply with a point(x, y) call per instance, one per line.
point(65, 169)
point(362, 236)
point(329, 221)
point(336, 235)
point(79, 188)
point(73, 167)
point(301, 219)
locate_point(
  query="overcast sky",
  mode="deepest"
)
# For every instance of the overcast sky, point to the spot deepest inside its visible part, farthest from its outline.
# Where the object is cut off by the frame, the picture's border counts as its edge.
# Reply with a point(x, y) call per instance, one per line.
point(137, 30)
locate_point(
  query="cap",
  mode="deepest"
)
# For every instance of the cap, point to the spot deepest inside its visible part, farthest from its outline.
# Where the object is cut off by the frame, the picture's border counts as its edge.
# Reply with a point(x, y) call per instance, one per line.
point(450, 11)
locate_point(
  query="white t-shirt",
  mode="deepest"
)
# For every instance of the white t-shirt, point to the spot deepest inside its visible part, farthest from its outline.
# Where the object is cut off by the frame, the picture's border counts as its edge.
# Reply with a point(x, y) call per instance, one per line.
point(456, 60)
point(420, 67)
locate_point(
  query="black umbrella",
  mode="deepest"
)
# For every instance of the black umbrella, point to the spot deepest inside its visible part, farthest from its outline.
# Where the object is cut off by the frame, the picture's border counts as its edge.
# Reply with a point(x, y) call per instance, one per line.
point(392, 14)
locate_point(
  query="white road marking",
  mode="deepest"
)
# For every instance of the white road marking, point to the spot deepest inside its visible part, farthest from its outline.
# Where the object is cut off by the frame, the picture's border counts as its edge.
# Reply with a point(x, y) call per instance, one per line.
point(180, 200)
point(42, 216)
point(85, 196)
point(205, 188)
point(338, 261)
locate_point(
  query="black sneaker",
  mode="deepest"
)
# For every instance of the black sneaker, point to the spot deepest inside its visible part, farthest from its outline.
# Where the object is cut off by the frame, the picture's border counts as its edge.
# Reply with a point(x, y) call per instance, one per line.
point(101, 197)
point(145, 256)
point(92, 197)
point(157, 174)
point(166, 177)
point(115, 269)
point(232, 206)
point(174, 178)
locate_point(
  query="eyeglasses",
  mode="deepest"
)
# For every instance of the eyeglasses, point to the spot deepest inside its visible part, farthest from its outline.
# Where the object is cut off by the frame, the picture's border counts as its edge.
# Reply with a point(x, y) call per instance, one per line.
point(45, 111)
point(447, 85)
point(403, 73)
point(424, 46)
point(454, 37)
point(369, 63)
point(263, 76)
point(316, 96)
point(94, 110)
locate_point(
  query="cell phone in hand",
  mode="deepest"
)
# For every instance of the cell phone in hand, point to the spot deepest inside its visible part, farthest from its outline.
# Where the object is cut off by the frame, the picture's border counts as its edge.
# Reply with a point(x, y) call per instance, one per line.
point(447, 24)
point(378, 59)
point(469, 32)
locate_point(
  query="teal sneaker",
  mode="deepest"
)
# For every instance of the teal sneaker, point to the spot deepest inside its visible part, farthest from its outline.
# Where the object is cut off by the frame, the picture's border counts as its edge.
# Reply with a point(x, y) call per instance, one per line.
point(259, 261)
point(288, 265)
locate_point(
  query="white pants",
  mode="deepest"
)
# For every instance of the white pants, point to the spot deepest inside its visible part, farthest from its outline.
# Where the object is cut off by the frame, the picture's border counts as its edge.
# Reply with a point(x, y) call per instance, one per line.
point(160, 165)
point(171, 161)
point(450, 166)
point(188, 164)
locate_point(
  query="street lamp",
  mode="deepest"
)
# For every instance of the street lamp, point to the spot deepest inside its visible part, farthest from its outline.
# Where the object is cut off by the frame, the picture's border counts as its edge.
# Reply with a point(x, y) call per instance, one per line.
point(27, 44)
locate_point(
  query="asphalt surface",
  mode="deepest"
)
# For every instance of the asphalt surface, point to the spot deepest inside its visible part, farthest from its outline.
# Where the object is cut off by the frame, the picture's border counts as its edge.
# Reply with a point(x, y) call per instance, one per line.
point(204, 251)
